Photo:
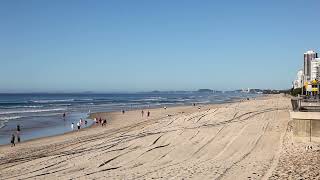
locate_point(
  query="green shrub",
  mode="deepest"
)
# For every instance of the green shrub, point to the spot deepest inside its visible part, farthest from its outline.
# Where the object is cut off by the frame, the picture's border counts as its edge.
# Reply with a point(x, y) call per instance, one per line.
point(295, 92)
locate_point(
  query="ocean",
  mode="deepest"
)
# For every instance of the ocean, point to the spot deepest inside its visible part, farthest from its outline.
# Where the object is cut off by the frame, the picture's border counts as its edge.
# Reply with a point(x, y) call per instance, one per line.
point(41, 114)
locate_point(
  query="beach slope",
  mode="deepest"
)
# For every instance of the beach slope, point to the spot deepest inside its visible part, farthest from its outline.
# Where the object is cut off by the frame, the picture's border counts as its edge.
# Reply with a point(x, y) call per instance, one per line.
point(237, 140)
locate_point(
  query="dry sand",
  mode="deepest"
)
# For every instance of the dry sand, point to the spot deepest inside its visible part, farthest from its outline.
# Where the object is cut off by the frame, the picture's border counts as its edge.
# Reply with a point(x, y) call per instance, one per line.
point(297, 161)
point(241, 140)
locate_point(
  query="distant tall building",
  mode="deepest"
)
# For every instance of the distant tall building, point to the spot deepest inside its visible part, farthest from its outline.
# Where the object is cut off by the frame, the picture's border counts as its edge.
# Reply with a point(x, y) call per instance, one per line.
point(315, 67)
point(308, 57)
point(298, 82)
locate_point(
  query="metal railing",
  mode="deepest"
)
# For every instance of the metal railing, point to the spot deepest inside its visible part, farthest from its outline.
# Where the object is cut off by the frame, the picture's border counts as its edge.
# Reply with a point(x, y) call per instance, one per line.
point(305, 104)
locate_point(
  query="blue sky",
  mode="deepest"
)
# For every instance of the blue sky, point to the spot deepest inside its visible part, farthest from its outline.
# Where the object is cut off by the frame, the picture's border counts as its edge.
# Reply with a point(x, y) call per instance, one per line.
point(109, 46)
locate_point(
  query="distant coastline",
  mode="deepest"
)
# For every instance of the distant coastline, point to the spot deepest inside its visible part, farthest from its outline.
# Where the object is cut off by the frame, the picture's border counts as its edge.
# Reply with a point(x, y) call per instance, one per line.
point(205, 90)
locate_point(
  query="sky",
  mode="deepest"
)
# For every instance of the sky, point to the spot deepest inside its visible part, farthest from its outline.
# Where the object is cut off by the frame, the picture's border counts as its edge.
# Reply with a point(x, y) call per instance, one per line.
point(128, 46)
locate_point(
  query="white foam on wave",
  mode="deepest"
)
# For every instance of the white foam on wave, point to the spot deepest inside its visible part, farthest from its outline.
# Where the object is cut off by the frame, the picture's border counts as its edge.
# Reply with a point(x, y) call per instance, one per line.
point(151, 99)
point(84, 99)
point(2, 124)
point(52, 101)
point(16, 107)
point(205, 102)
point(32, 111)
point(182, 100)
point(32, 106)
point(9, 118)
point(60, 104)
point(4, 120)
point(26, 107)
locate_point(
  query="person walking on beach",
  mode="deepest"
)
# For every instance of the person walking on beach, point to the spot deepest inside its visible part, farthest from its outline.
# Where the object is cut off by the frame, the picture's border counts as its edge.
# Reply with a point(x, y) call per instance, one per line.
point(142, 113)
point(78, 125)
point(18, 133)
point(18, 128)
point(18, 137)
point(72, 126)
point(104, 122)
point(12, 140)
point(123, 111)
point(148, 114)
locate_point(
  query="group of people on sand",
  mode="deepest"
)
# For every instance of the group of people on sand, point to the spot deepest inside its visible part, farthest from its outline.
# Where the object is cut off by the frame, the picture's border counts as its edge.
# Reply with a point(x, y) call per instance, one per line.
point(100, 121)
point(14, 135)
point(80, 123)
point(148, 113)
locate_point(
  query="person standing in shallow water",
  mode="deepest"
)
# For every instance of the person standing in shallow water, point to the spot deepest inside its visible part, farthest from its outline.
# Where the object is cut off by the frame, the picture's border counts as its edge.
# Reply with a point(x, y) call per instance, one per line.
point(12, 140)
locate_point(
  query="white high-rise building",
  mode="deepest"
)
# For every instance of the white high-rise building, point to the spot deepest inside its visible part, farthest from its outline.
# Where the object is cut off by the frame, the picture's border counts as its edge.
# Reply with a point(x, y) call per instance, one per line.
point(298, 82)
point(315, 67)
point(307, 58)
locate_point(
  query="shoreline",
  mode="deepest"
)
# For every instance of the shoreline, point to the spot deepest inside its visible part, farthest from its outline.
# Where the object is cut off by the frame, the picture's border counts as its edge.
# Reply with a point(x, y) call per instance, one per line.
point(50, 136)
point(93, 125)
point(91, 117)
point(41, 129)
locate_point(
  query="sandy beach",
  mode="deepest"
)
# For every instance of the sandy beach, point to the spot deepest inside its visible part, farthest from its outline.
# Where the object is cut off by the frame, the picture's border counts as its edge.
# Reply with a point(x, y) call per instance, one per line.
point(240, 140)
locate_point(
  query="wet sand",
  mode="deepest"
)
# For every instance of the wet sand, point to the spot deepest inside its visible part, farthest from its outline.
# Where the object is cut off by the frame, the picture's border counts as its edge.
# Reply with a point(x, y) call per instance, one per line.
point(34, 128)
point(240, 140)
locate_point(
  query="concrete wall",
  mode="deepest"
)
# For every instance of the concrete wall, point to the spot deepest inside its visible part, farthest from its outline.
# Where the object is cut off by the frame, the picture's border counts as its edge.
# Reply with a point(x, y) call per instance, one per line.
point(315, 128)
point(301, 124)
point(301, 128)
